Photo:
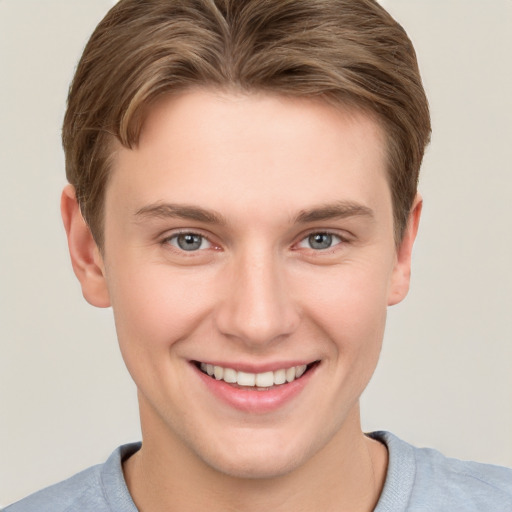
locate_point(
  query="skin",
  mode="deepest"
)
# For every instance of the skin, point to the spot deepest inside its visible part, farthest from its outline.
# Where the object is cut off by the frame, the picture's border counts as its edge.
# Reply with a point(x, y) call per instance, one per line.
point(270, 171)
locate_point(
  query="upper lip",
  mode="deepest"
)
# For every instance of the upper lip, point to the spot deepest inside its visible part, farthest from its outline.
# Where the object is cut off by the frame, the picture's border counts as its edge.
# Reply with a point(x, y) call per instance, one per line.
point(258, 368)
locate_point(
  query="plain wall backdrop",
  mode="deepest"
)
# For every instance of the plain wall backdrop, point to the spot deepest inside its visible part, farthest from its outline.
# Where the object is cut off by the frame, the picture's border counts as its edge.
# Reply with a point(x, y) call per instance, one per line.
point(445, 376)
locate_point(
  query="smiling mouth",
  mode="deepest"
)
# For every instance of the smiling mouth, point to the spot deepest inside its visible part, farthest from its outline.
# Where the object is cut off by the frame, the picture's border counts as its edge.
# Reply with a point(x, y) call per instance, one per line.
point(255, 381)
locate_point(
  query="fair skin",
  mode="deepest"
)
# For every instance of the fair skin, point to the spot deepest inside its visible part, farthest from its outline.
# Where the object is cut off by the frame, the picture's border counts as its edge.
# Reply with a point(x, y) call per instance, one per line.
point(250, 232)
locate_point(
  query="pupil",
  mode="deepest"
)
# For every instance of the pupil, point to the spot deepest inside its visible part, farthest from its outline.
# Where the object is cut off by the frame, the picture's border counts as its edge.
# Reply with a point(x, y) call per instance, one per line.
point(189, 242)
point(320, 241)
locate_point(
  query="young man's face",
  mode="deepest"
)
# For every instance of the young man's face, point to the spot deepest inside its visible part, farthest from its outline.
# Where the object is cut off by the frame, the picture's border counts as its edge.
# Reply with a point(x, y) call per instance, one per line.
point(253, 233)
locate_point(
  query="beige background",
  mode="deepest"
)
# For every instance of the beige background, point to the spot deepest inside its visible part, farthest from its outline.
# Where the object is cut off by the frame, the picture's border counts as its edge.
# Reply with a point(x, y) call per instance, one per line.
point(445, 378)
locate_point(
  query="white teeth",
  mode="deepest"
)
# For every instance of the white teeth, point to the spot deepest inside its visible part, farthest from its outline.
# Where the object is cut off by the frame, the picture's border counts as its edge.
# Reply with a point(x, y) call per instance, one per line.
point(260, 380)
point(300, 371)
point(246, 379)
point(265, 380)
point(230, 375)
point(290, 374)
point(280, 377)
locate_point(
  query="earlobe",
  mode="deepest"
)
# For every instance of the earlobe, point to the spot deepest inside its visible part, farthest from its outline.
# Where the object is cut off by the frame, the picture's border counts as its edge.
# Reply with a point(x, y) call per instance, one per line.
point(402, 272)
point(85, 256)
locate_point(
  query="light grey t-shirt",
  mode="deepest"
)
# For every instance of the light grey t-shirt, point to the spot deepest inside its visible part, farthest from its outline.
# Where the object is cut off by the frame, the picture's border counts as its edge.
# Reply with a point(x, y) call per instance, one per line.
point(418, 480)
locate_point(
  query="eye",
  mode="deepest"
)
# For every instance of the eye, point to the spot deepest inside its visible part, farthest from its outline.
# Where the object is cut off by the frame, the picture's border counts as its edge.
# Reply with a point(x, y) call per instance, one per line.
point(189, 242)
point(320, 241)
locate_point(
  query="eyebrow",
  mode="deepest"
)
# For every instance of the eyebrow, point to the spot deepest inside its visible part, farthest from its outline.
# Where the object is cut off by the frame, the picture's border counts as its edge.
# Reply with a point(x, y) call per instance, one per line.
point(337, 210)
point(181, 211)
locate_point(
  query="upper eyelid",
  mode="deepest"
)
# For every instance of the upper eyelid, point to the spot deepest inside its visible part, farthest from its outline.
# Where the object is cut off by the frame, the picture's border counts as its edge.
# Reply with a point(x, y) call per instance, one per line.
point(167, 235)
point(330, 233)
point(342, 234)
point(173, 239)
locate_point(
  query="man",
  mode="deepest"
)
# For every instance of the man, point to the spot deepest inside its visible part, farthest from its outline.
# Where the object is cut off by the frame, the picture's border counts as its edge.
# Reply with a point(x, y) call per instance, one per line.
point(243, 194)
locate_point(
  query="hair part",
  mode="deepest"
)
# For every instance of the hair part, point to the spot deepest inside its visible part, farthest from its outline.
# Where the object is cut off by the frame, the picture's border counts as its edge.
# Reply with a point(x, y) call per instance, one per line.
point(348, 52)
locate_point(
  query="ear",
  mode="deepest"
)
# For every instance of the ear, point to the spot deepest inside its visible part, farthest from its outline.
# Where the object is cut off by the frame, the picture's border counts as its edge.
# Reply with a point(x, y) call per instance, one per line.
point(401, 277)
point(85, 255)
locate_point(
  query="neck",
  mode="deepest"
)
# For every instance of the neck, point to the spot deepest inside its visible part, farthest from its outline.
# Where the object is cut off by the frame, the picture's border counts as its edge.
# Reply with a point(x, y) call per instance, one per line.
point(347, 474)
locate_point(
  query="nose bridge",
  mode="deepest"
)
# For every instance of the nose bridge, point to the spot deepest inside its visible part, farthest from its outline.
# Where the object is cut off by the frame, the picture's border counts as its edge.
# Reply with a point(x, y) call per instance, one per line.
point(258, 307)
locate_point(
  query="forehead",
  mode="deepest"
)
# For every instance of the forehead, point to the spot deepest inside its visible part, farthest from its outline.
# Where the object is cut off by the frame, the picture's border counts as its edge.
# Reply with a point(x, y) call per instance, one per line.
point(252, 151)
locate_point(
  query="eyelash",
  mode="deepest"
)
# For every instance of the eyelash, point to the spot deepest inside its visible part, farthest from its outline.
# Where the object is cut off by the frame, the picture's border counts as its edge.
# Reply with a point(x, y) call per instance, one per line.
point(329, 234)
point(167, 241)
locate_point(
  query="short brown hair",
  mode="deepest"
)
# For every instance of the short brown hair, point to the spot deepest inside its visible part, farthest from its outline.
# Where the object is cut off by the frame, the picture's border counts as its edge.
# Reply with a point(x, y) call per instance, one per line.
point(351, 52)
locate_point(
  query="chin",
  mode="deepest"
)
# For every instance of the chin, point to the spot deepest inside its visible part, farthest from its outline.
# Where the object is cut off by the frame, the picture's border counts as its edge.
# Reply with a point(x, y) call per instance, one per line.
point(265, 466)
point(256, 460)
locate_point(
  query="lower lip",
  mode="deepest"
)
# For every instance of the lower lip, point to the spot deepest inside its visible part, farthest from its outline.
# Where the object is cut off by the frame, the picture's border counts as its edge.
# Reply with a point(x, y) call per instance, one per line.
point(254, 401)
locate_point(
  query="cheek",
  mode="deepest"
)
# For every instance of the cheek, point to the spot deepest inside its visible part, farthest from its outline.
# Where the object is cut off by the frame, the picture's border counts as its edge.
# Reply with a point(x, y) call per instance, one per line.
point(154, 306)
point(154, 311)
point(350, 308)
point(350, 301)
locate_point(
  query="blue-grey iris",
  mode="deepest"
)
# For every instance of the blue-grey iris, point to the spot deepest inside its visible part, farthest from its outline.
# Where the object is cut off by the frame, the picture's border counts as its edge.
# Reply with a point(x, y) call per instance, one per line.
point(189, 241)
point(320, 241)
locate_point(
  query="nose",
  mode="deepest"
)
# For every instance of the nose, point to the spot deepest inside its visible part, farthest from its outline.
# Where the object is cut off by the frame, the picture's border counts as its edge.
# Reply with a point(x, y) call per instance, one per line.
point(258, 307)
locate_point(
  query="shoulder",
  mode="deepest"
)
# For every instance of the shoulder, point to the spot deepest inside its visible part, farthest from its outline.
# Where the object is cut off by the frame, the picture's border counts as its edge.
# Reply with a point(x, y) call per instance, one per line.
point(66, 495)
point(429, 481)
point(100, 488)
point(472, 485)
